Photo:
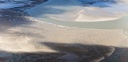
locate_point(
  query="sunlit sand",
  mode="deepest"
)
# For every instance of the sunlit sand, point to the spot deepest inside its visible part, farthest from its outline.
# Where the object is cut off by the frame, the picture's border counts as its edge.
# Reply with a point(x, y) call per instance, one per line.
point(30, 37)
point(28, 34)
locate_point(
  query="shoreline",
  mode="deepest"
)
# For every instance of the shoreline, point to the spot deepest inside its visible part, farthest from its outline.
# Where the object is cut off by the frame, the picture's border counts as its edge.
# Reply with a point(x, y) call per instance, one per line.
point(54, 33)
point(23, 37)
point(28, 29)
point(93, 13)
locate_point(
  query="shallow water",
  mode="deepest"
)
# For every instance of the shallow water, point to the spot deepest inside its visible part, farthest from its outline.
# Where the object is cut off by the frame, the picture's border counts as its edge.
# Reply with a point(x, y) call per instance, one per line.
point(114, 24)
point(27, 39)
point(54, 11)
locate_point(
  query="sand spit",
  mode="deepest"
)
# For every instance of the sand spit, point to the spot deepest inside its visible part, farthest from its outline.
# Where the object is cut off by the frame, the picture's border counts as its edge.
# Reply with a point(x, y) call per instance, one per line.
point(31, 37)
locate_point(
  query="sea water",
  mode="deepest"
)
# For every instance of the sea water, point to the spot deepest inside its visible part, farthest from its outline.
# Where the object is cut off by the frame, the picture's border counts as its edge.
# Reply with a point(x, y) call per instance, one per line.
point(38, 34)
point(58, 12)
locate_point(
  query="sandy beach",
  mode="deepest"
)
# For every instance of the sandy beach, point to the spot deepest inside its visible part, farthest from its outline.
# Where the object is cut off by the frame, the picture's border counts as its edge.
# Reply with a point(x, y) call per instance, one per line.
point(36, 32)
point(26, 39)
point(23, 34)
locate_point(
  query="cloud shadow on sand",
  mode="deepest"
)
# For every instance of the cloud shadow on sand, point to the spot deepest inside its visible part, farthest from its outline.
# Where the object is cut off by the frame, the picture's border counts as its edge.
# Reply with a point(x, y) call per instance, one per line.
point(69, 53)
point(66, 53)
point(13, 19)
point(10, 18)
